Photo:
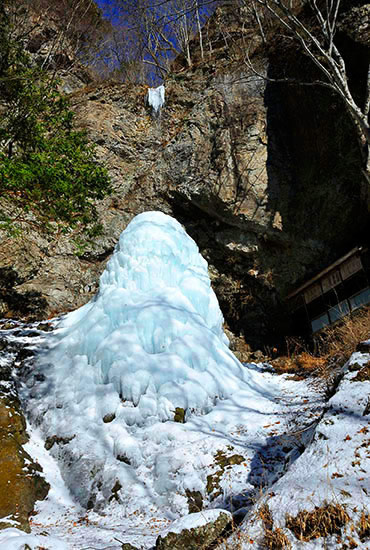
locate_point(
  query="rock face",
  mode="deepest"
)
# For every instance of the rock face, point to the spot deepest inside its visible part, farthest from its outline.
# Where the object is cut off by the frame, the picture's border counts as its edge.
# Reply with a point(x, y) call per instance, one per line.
point(265, 177)
point(195, 531)
point(21, 482)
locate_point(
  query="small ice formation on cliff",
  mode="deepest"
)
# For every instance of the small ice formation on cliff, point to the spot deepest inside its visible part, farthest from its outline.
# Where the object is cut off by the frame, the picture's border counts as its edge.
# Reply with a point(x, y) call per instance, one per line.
point(155, 98)
point(149, 342)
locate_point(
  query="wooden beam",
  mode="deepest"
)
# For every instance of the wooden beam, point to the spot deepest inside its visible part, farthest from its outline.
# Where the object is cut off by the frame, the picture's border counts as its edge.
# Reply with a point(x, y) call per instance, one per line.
point(356, 250)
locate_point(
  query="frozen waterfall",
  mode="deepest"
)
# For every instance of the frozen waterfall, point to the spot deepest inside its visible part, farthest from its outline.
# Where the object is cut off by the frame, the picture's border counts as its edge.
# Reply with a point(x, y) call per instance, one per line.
point(149, 342)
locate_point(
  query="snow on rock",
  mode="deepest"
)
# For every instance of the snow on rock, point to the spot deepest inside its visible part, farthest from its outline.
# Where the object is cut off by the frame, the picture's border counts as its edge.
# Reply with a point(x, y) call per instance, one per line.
point(193, 521)
point(14, 539)
point(215, 460)
point(149, 342)
point(198, 530)
point(155, 98)
point(245, 452)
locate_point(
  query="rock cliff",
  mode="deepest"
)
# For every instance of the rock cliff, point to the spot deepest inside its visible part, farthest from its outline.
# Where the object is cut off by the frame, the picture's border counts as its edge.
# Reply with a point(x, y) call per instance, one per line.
point(265, 177)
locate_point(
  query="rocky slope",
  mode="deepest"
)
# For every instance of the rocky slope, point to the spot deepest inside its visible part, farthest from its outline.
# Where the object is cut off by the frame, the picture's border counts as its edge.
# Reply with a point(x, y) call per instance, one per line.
point(265, 177)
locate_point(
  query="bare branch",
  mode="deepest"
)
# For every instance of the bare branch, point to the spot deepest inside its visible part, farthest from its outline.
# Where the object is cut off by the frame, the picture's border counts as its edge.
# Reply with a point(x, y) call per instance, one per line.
point(318, 43)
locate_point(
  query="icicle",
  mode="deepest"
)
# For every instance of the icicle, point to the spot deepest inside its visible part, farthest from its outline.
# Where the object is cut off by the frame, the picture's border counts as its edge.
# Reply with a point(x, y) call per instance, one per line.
point(155, 99)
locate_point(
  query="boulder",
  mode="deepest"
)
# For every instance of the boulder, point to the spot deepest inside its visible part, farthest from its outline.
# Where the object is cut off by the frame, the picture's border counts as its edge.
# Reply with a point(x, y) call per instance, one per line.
point(128, 546)
point(198, 530)
point(20, 483)
point(363, 347)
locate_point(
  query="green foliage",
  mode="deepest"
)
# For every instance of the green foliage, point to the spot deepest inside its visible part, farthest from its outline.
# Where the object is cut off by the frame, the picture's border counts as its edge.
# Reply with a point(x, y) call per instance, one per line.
point(48, 174)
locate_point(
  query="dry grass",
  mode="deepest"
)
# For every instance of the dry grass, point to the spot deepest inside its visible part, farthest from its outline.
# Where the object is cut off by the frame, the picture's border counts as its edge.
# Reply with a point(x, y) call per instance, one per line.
point(340, 340)
point(264, 514)
point(273, 539)
point(301, 365)
point(333, 346)
point(308, 362)
point(325, 520)
point(363, 526)
point(276, 540)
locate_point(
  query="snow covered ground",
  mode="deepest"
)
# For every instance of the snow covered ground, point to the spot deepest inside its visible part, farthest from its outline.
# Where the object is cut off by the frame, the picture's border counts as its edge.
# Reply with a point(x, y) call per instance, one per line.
point(147, 415)
point(331, 478)
point(254, 430)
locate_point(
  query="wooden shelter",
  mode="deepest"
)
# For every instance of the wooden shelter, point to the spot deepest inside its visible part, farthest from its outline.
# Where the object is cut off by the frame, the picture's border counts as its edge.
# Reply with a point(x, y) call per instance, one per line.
point(336, 291)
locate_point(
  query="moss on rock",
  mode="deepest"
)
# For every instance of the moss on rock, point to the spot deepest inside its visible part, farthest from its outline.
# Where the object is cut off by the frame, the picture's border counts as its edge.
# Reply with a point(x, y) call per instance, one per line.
point(195, 501)
point(20, 481)
point(225, 462)
point(179, 415)
point(128, 546)
point(12, 421)
point(363, 375)
point(201, 536)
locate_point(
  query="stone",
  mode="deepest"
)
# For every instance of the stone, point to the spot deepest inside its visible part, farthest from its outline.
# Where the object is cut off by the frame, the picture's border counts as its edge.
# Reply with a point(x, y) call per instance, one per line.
point(198, 530)
point(363, 347)
point(51, 440)
point(195, 501)
point(115, 490)
point(223, 462)
point(354, 367)
point(12, 421)
point(179, 415)
point(363, 375)
point(124, 458)
point(109, 417)
point(21, 482)
point(128, 546)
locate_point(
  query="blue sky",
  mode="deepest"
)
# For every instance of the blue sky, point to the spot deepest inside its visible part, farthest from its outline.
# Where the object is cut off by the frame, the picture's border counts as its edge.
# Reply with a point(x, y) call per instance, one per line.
point(109, 9)
point(115, 10)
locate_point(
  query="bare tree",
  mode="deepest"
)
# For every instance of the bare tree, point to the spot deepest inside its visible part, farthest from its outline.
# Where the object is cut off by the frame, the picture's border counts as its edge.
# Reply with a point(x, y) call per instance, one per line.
point(163, 29)
point(317, 41)
point(59, 34)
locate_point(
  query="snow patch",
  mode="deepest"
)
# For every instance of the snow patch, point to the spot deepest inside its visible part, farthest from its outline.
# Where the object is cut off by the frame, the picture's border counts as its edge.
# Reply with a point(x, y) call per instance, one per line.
point(15, 539)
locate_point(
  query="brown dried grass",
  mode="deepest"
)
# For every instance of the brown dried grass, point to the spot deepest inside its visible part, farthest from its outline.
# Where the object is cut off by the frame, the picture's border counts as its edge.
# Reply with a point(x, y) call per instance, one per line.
point(273, 539)
point(301, 366)
point(276, 540)
point(333, 346)
point(363, 526)
point(339, 341)
point(325, 520)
